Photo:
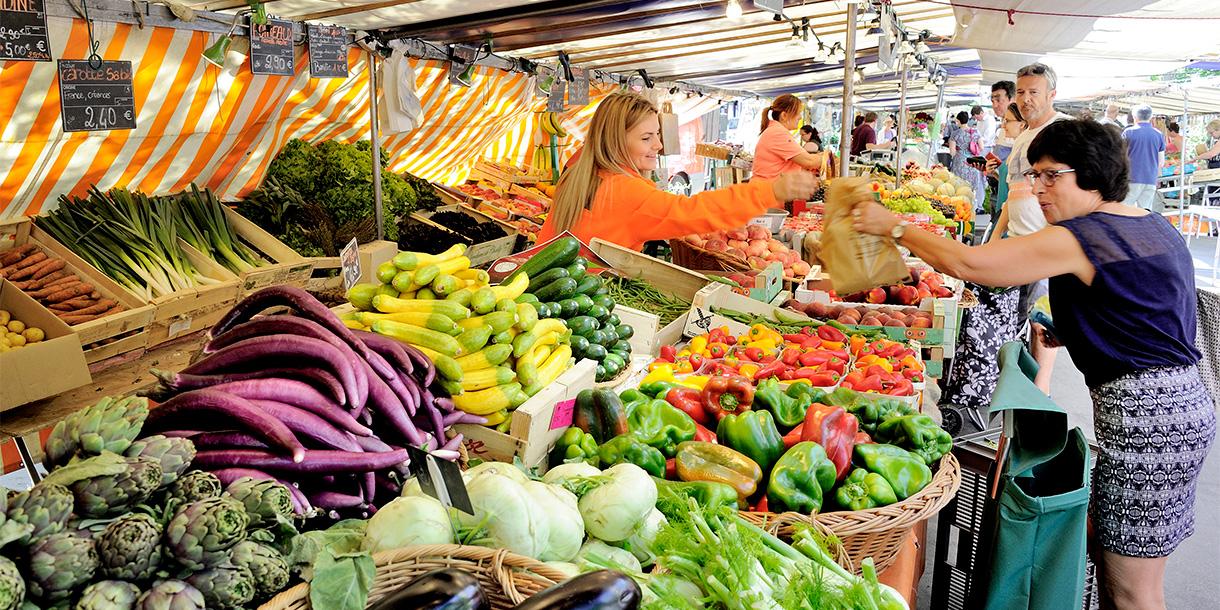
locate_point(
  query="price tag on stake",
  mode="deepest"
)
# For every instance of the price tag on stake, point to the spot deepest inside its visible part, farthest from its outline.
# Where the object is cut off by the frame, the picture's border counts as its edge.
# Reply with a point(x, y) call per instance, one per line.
point(349, 258)
point(578, 95)
point(563, 415)
point(327, 51)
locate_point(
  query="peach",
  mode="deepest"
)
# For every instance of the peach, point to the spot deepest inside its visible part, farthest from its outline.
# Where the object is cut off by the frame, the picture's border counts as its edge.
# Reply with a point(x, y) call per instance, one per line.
point(876, 295)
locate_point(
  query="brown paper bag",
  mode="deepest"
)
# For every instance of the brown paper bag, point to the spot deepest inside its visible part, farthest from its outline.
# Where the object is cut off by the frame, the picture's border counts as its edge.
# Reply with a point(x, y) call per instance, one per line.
point(855, 261)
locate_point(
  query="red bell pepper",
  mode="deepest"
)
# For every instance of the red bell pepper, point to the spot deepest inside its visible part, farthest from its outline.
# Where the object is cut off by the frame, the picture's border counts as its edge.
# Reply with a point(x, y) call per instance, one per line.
point(671, 469)
point(723, 369)
point(771, 370)
point(688, 401)
point(718, 349)
point(786, 374)
point(862, 438)
point(790, 355)
point(797, 338)
point(835, 430)
point(703, 434)
point(876, 369)
point(669, 353)
point(870, 383)
point(817, 378)
point(830, 333)
point(902, 387)
point(914, 375)
point(696, 361)
point(762, 507)
point(793, 437)
point(836, 364)
point(725, 395)
point(753, 354)
point(814, 358)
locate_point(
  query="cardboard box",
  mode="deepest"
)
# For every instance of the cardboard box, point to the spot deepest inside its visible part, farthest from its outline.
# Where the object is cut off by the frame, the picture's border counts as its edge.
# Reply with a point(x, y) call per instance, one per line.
point(46, 368)
point(536, 425)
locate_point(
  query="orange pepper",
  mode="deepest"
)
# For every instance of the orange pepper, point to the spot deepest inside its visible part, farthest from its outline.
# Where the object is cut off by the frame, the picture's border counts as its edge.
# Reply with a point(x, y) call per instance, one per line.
point(832, 344)
point(748, 369)
point(857, 342)
point(864, 361)
point(910, 362)
point(684, 366)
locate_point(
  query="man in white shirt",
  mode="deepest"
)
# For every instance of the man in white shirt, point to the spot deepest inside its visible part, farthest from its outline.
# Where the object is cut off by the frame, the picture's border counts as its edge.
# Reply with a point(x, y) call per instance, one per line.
point(1111, 117)
point(987, 125)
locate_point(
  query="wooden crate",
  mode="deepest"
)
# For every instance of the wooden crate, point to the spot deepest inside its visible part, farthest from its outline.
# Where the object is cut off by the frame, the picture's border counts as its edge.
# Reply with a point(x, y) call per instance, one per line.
point(103, 338)
point(497, 174)
point(536, 425)
point(186, 311)
point(285, 265)
point(372, 254)
point(482, 253)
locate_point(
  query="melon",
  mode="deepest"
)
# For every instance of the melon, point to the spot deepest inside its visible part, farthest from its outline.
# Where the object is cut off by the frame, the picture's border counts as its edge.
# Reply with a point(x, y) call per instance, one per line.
point(946, 189)
point(965, 191)
point(920, 187)
point(941, 174)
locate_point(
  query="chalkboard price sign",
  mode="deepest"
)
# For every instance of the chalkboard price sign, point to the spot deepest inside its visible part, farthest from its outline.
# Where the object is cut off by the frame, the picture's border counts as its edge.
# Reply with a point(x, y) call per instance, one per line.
point(271, 49)
point(96, 99)
point(327, 51)
point(23, 31)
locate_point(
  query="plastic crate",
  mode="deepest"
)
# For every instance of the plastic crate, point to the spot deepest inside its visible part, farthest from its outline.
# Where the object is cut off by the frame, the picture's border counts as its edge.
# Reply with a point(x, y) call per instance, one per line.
point(961, 527)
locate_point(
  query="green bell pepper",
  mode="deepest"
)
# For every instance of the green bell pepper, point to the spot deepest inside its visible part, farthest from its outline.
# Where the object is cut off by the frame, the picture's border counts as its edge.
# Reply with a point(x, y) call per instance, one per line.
point(661, 425)
point(629, 449)
point(904, 471)
point(753, 433)
point(801, 390)
point(918, 433)
point(789, 411)
point(862, 490)
point(709, 494)
point(800, 479)
point(575, 445)
point(632, 396)
point(870, 410)
point(657, 389)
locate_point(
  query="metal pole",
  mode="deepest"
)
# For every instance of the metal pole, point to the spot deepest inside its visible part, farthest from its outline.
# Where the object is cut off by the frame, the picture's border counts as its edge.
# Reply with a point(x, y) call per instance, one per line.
point(1182, 164)
point(375, 139)
point(940, 100)
point(902, 121)
point(849, 70)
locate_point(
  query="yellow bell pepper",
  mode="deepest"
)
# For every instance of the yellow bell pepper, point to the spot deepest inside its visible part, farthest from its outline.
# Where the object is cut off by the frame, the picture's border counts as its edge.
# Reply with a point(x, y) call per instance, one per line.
point(801, 380)
point(684, 353)
point(766, 345)
point(665, 372)
point(910, 362)
point(694, 381)
point(698, 345)
point(748, 369)
point(684, 366)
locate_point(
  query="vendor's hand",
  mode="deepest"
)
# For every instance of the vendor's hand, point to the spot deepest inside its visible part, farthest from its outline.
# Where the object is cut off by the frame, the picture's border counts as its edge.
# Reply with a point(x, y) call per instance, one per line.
point(871, 217)
point(794, 186)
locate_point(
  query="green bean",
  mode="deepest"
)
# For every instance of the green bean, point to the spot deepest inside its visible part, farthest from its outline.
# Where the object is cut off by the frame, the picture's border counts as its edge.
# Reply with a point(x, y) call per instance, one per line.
point(642, 295)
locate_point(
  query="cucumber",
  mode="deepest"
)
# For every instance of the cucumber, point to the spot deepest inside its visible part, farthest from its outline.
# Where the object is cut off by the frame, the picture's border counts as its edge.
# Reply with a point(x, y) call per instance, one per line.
point(582, 326)
point(579, 344)
point(483, 301)
point(620, 345)
point(546, 277)
point(559, 253)
point(604, 300)
point(557, 290)
point(584, 303)
point(596, 352)
point(613, 364)
point(613, 320)
point(625, 331)
point(598, 313)
point(569, 308)
point(577, 268)
point(527, 298)
point(589, 284)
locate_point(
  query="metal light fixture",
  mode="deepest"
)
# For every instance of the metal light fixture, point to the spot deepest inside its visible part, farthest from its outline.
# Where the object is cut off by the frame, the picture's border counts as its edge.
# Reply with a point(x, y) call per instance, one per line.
point(875, 30)
point(466, 78)
point(215, 54)
point(922, 47)
point(733, 10)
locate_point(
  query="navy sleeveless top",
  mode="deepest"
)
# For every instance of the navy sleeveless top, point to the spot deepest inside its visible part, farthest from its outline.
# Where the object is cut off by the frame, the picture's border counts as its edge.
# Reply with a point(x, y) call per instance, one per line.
point(1140, 312)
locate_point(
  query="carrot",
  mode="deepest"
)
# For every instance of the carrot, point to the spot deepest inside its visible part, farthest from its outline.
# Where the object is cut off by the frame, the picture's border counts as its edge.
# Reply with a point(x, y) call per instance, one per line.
point(49, 267)
point(23, 285)
point(74, 320)
point(16, 254)
point(33, 271)
point(68, 293)
point(67, 278)
point(101, 306)
point(32, 259)
point(73, 304)
point(47, 279)
point(49, 290)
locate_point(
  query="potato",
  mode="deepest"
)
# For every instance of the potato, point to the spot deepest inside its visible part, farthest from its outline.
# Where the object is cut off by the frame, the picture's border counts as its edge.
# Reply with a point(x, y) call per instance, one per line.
point(4, 340)
point(34, 334)
point(5, 316)
point(4, 348)
point(16, 326)
point(16, 340)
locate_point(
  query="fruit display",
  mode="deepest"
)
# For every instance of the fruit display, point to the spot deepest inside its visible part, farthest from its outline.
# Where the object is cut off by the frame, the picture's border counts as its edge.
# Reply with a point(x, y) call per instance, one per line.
point(941, 185)
point(753, 244)
point(808, 222)
point(561, 288)
point(527, 228)
point(479, 189)
point(114, 525)
point(491, 350)
point(921, 285)
point(15, 334)
point(906, 317)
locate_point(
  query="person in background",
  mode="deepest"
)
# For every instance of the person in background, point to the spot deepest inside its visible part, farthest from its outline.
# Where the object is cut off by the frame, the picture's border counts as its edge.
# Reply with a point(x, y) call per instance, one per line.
point(1011, 127)
point(810, 140)
point(1211, 153)
point(864, 137)
point(1022, 214)
point(1111, 266)
point(888, 133)
point(959, 148)
point(858, 122)
point(777, 151)
point(1145, 154)
point(1002, 94)
point(1173, 138)
point(986, 126)
point(1111, 117)
point(606, 194)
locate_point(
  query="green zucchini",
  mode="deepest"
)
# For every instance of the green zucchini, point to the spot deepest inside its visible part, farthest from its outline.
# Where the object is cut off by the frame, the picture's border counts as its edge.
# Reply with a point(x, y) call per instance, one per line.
point(582, 325)
point(569, 308)
point(546, 277)
point(595, 352)
point(557, 290)
point(598, 312)
point(604, 300)
point(559, 253)
point(584, 303)
point(589, 284)
point(625, 331)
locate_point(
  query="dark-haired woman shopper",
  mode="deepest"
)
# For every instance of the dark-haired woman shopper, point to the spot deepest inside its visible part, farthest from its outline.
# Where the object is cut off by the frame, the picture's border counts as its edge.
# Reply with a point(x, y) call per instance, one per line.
point(1124, 304)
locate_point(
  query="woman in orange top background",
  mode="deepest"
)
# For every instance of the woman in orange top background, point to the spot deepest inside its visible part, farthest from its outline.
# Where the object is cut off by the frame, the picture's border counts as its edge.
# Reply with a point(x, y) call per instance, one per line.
point(606, 194)
point(777, 151)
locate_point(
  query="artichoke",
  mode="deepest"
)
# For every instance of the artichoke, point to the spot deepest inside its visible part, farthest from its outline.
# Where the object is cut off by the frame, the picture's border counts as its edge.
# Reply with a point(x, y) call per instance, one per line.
point(130, 547)
point(109, 425)
point(266, 500)
point(12, 585)
point(268, 567)
point(194, 486)
point(110, 495)
point(225, 586)
point(171, 595)
point(201, 533)
point(47, 507)
point(58, 564)
point(108, 595)
point(174, 454)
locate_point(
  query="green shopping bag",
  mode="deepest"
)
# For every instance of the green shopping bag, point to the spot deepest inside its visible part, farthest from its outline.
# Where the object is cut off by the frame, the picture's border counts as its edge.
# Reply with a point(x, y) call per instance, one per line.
point(1039, 518)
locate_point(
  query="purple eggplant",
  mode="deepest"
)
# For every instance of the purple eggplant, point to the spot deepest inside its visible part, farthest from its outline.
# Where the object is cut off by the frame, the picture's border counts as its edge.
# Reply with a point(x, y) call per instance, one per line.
point(391, 408)
point(442, 589)
point(333, 500)
point(421, 363)
point(316, 461)
point(601, 590)
point(306, 425)
point(390, 349)
point(224, 409)
point(320, 379)
point(298, 394)
point(227, 439)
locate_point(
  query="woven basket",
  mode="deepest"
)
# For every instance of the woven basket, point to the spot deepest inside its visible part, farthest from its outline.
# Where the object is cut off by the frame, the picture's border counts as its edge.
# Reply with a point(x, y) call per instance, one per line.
point(694, 257)
point(877, 532)
point(507, 579)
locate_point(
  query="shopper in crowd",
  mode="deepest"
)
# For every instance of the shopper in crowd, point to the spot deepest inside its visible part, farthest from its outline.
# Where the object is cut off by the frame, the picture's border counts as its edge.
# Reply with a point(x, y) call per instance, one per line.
point(1111, 117)
point(1002, 94)
point(811, 141)
point(776, 151)
point(964, 144)
point(606, 193)
point(1011, 127)
point(1123, 300)
point(888, 132)
point(864, 137)
point(1022, 214)
point(858, 122)
point(1173, 138)
point(1145, 154)
point(1211, 155)
point(986, 126)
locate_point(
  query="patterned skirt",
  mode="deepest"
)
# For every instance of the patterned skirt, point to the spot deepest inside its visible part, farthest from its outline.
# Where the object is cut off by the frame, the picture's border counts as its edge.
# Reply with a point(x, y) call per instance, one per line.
point(1154, 429)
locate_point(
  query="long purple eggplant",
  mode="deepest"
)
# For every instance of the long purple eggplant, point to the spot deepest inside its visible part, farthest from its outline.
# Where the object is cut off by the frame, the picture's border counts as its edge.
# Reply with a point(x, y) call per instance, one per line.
point(298, 394)
point(304, 303)
point(299, 502)
point(200, 406)
point(368, 486)
point(276, 350)
point(421, 363)
point(181, 433)
point(391, 408)
point(306, 425)
point(332, 500)
point(321, 379)
point(316, 461)
point(391, 349)
point(370, 443)
point(228, 439)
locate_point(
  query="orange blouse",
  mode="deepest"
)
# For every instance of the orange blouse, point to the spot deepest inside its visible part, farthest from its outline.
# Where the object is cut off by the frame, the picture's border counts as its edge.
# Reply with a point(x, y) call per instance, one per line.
point(629, 210)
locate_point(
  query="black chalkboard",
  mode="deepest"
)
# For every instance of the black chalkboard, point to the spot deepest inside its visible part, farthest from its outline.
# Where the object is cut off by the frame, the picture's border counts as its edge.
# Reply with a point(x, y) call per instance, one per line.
point(271, 49)
point(96, 99)
point(327, 51)
point(23, 31)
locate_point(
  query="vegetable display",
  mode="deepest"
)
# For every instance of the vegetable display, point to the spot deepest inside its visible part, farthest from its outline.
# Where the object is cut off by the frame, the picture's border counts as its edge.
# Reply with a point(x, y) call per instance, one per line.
point(641, 294)
point(46, 279)
point(202, 223)
point(16, 334)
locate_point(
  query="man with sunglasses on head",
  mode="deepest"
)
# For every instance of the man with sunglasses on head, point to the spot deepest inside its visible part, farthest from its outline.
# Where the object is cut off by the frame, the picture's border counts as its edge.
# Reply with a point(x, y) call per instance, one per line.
point(1021, 214)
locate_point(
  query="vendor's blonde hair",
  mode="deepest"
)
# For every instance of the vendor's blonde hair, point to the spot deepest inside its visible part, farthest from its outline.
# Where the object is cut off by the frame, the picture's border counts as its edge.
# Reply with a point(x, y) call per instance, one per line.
point(785, 103)
point(1214, 125)
point(605, 149)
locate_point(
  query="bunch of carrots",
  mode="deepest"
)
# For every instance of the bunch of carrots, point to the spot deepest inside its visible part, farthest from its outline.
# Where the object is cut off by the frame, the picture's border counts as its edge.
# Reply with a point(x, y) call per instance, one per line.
point(48, 280)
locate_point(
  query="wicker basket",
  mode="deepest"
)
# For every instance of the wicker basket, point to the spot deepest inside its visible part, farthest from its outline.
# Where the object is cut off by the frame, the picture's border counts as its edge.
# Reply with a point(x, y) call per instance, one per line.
point(507, 579)
point(694, 257)
point(878, 532)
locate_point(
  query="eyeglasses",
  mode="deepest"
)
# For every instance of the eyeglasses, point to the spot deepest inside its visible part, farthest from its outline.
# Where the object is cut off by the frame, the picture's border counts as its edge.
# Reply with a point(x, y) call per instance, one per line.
point(1046, 177)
